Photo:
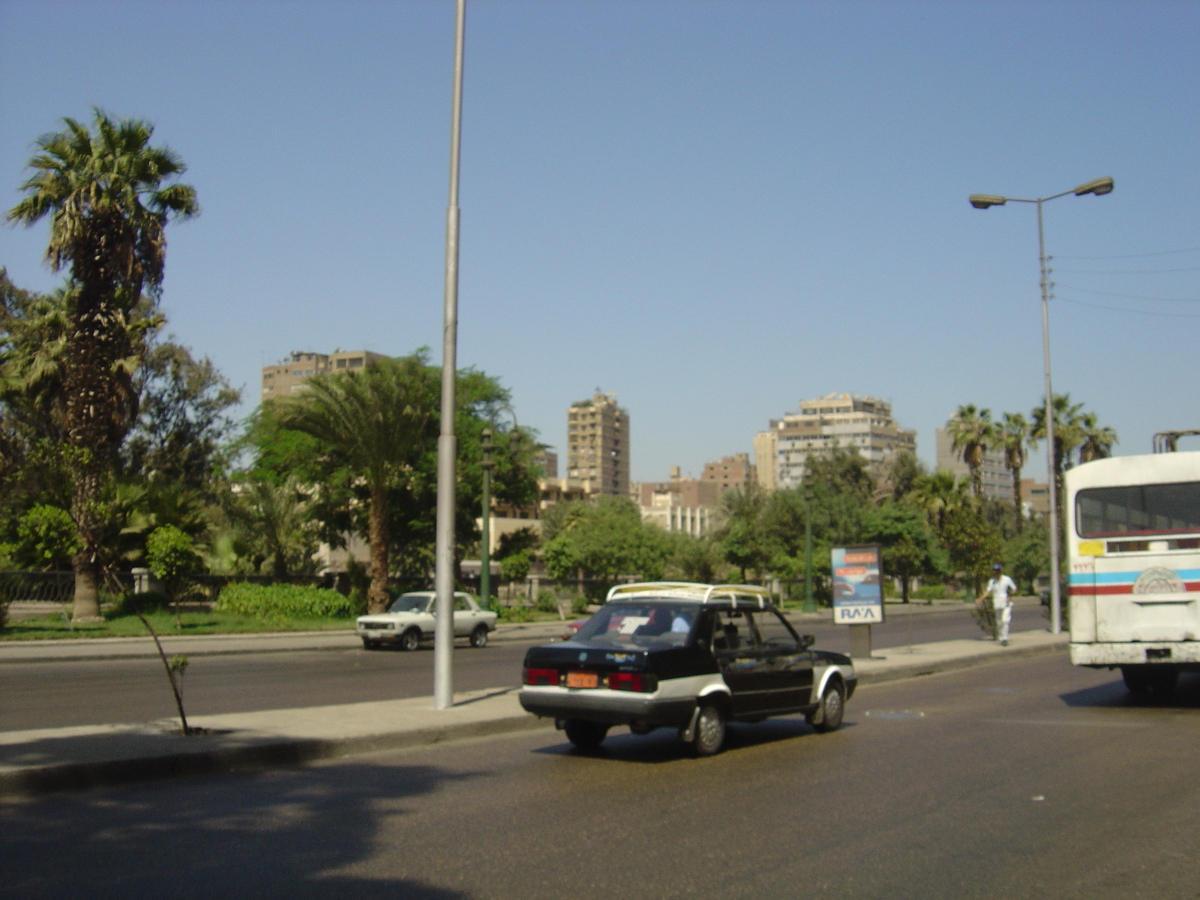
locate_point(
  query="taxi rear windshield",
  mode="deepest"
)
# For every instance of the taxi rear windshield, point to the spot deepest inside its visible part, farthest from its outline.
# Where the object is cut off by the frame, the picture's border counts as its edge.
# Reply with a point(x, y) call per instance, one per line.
point(1138, 509)
point(639, 625)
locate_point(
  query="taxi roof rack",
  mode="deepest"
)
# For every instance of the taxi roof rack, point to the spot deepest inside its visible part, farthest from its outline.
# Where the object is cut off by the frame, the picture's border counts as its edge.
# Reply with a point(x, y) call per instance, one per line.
point(691, 590)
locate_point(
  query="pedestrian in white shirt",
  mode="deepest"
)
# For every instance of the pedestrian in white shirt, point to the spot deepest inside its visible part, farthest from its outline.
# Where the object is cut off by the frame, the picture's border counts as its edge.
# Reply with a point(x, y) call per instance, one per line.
point(1001, 587)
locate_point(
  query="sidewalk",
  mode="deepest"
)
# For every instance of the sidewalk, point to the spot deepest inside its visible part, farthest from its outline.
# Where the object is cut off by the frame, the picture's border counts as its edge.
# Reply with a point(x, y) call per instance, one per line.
point(40, 761)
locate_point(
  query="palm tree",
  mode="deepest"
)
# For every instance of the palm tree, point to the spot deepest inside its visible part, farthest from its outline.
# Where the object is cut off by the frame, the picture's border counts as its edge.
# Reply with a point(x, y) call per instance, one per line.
point(1011, 437)
point(938, 495)
point(275, 517)
point(1097, 440)
point(103, 190)
point(377, 422)
point(972, 431)
point(1067, 436)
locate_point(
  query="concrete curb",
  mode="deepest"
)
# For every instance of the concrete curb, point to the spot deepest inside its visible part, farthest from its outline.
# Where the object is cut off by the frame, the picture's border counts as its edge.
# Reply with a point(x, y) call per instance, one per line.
point(899, 672)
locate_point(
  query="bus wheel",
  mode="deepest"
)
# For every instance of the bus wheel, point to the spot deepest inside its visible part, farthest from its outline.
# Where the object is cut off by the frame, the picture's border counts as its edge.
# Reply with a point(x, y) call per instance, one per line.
point(1137, 679)
point(1163, 680)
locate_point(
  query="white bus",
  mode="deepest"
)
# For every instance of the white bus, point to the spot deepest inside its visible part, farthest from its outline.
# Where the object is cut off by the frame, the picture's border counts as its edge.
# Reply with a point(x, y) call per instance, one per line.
point(1133, 557)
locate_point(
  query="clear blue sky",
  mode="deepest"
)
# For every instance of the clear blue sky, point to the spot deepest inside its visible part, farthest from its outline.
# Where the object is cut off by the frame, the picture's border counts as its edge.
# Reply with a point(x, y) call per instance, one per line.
point(714, 209)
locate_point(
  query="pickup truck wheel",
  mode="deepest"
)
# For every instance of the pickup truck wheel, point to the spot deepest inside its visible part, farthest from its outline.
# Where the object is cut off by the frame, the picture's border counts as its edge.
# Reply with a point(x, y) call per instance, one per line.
point(710, 730)
point(411, 639)
point(479, 637)
point(833, 705)
point(585, 735)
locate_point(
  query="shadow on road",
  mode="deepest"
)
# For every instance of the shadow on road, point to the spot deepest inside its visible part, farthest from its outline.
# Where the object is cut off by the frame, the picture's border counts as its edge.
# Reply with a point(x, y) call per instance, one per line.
point(663, 745)
point(278, 834)
point(1114, 694)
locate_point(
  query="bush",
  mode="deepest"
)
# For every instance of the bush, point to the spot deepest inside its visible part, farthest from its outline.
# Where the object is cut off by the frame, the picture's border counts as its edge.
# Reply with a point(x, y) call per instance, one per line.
point(547, 601)
point(145, 602)
point(515, 613)
point(284, 601)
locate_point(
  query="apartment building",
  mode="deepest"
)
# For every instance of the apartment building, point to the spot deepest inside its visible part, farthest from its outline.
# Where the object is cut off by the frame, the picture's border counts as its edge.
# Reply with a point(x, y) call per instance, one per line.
point(834, 421)
point(678, 504)
point(598, 446)
point(997, 480)
point(732, 472)
point(286, 376)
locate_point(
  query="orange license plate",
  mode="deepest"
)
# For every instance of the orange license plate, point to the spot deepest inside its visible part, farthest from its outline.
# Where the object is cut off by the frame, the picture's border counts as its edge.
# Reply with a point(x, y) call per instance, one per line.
point(583, 680)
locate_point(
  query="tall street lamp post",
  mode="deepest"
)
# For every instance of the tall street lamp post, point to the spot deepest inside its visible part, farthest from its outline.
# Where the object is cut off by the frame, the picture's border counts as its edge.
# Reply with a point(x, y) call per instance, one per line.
point(443, 579)
point(1099, 187)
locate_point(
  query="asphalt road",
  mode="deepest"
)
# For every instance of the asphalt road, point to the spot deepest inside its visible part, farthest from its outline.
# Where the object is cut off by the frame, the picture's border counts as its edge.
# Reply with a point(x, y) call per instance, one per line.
point(1022, 779)
point(91, 692)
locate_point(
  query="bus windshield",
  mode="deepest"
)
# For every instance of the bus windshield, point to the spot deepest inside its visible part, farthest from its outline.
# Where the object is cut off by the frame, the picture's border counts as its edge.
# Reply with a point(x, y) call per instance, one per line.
point(1138, 509)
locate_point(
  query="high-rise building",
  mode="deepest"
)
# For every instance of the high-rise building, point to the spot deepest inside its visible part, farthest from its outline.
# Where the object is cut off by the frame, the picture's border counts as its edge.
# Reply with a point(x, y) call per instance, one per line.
point(834, 421)
point(286, 376)
point(997, 480)
point(598, 445)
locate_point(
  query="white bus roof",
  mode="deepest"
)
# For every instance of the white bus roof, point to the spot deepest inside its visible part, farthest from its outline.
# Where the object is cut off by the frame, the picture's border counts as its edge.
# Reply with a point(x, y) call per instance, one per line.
point(1152, 468)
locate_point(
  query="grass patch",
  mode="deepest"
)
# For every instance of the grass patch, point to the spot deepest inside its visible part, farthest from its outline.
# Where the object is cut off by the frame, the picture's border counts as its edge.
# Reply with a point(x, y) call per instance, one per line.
point(163, 621)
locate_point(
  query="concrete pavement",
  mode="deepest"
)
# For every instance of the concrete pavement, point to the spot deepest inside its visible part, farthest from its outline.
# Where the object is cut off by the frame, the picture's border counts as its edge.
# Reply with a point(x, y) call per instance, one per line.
point(43, 760)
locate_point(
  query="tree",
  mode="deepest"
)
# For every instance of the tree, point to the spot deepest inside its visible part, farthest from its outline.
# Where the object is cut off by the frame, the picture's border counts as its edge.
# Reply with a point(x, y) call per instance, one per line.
point(741, 531)
point(273, 521)
point(182, 421)
point(903, 472)
point(1097, 440)
point(939, 496)
point(104, 192)
point(1067, 435)
point(377, 422)
point(972, 431)
point(605, 540)
point(1011, 436)
point(172, 559)
point(973, 542)
point(46, 538)
point(908, 546)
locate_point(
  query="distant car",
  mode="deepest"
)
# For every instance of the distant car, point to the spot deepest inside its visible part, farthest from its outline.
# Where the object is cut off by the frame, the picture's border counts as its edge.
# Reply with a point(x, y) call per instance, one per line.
point(686, 656)
point(410, 620)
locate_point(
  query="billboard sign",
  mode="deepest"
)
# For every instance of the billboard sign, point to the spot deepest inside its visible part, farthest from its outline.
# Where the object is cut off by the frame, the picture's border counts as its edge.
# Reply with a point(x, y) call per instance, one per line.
point(857, 588)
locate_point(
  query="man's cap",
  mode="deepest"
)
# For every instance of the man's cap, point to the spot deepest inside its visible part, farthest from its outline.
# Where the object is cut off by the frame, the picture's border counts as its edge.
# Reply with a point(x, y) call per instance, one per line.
point(997, 567)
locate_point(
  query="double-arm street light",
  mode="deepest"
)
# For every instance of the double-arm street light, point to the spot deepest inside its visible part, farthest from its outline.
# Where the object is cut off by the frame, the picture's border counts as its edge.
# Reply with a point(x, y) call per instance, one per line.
point(487, 445)
point(1098, 187)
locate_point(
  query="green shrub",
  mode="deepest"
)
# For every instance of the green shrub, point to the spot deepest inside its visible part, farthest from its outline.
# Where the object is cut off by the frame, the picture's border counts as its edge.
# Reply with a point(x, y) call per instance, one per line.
point(284, 601)
point(547, 601)
point(515, 613)
point(145, 602)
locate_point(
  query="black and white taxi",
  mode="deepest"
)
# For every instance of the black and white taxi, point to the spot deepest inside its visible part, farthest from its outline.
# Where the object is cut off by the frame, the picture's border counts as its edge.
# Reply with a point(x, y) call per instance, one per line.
point(685, 656)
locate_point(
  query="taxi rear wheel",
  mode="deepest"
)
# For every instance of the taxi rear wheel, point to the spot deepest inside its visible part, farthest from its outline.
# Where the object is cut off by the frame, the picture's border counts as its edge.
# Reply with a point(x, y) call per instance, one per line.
point(479, 637)
point(833, 705)
point(585, 735)
point(710, 730)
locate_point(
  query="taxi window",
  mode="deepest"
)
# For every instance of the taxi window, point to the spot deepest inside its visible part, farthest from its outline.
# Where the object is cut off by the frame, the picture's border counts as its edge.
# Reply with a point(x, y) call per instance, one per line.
point(773, 631)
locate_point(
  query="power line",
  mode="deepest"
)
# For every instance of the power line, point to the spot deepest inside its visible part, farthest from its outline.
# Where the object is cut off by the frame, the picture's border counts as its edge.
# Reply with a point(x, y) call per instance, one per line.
point(1130, 296)
point(1140, 312)
point(1136, 255)
point(1130, 271)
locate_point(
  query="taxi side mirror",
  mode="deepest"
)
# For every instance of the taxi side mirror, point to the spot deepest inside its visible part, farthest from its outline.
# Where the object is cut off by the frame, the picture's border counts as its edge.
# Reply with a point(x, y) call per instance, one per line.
point(806, 641)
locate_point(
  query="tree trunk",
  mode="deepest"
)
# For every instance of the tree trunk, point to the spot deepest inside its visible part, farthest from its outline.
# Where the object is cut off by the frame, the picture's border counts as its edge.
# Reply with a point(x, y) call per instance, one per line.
point(86, 606)
point(1016, 476)
point(377, 594)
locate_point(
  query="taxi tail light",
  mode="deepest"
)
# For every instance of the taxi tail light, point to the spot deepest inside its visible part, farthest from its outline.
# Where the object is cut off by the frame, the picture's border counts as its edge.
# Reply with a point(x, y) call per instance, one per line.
point(632, 681)
point(541, 676)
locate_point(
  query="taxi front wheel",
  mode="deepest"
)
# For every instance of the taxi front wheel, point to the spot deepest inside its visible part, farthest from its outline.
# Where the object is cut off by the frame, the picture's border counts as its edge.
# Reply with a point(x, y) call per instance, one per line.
point(828, 716)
